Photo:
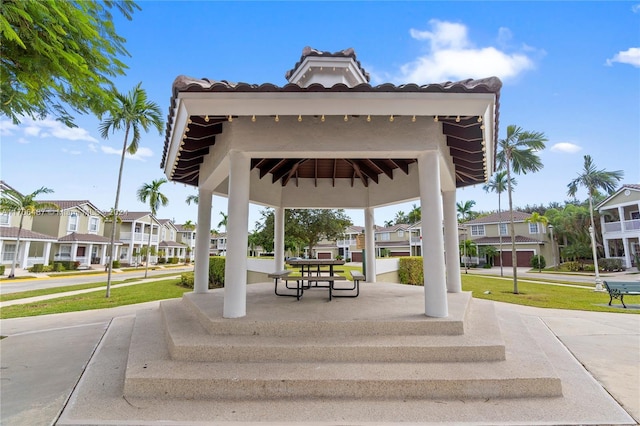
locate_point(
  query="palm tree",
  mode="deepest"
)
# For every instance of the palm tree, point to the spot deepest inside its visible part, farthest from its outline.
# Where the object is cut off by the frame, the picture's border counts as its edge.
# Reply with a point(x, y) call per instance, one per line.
point(151, 192)
point(189, 226)
point(464, 210)
point(129, 112)
point(191, 199)
point(415, 215)
point(538, 219)
point(518, 152)
point(25, 205)
point(223, 222)
point(593, 179)
point(498, 184)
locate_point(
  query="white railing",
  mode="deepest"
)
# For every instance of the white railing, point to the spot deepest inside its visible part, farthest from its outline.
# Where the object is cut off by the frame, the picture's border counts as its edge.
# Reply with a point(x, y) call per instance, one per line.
point(416, 240)
point(625, 226)
point(33, 260)
point(346, 243)
point(137, 237)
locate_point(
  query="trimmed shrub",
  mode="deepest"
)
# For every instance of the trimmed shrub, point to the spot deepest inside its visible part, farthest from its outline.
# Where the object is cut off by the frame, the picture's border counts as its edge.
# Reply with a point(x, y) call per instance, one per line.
point(611, 265)
point(116, 264)
point(216, 271)
point(173, 260)
point(410, 270)
point(1, 269)
point(187, 279)
point(538, 262)
point(572, 266)
point(162, 260)
point(58, 267)
point(37, 267)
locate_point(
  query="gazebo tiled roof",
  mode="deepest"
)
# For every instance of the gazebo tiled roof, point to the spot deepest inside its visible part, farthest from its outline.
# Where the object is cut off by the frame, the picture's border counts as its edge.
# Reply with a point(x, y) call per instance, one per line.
point(464, 133)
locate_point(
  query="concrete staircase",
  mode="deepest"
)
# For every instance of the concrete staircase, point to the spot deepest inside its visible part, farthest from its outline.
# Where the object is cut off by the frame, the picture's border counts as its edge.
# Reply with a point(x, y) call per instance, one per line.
point(376, 346)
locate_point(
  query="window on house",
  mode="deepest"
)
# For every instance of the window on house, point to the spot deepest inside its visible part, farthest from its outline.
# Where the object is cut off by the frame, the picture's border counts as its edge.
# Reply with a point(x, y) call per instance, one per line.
point(73, 222)
point(8, 251)
point(5, 219)
point(173, 235)
point(94, 225)
point(477, 230)
point(533, 228)
point(385, 236)
point(400, 233)
point(503, 229)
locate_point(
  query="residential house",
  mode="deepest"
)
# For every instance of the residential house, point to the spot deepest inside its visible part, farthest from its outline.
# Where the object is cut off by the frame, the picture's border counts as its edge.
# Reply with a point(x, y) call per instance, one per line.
point(531, 238)
point(348, 243)
point(78, 226)
point(187, 236)
point(218, 244)
point(620, 220)
point(168, 247)
point(35, 247)
point(393, 241)
point(132, 230)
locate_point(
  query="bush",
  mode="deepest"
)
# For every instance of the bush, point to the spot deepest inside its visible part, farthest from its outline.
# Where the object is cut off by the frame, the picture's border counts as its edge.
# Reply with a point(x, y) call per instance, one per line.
point(58, 267)
point(162, 260)
point(572, 266)
point(538, 262)
point(173, 260)
point(1, 269)
point(187, 279)
point(37, 267)
point(216, 271)
point(116, 264)
point(410, 270)
point(611, 265)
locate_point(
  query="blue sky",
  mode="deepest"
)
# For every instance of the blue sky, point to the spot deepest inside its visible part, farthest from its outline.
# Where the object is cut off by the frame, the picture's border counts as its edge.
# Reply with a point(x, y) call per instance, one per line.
point(569, 69)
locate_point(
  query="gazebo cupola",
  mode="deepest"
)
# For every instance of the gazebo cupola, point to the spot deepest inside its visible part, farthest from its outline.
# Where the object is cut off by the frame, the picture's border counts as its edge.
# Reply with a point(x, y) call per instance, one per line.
point(316, 67)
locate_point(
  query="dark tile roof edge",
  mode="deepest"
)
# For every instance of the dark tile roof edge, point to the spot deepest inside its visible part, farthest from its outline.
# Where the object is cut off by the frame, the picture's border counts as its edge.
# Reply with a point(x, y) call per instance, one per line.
point(12, 232)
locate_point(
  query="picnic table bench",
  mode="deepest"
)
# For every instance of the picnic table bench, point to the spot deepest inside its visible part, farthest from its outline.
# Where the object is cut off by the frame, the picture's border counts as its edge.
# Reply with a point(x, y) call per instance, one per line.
point(618, 289)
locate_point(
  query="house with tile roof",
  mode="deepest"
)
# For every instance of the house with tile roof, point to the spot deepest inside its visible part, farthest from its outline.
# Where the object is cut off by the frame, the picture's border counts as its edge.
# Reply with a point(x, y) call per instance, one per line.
point(187, 235)
point(78, 226)
point(169, 248)
point(620, 220)
point(35, 247)
point(133, 230)
point(531, 238)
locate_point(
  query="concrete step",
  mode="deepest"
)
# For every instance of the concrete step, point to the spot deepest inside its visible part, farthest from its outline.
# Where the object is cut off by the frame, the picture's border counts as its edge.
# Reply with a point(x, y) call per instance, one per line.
point(152, 373)
point(189, 341)
point(401, 313)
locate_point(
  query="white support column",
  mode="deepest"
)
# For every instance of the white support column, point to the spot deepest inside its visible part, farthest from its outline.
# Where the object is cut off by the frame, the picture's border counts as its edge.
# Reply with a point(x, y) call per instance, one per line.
point(435, 287)
point(74, 251)
point(103, 257)
point(47, 253)
point(235, 281)
point(627, 253)
point(25, 254)
point(278, 243)
point(201, 259)
point(370, 244)
point(89, 256)
point(451, 247)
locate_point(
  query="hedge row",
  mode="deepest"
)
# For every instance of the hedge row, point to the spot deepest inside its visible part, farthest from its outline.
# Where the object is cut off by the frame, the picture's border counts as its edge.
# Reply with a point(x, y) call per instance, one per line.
point(216, 274)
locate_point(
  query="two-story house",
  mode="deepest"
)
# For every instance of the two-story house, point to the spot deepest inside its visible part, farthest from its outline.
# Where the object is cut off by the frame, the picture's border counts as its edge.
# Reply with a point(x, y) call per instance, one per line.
point(35, 247)
point(186, 235)
point(78, 226)
point(132, 230)
point(168, 246)
point(531, 238)
point(347, 244)
point(620, 220)
point(393, 241)
point(218, 244)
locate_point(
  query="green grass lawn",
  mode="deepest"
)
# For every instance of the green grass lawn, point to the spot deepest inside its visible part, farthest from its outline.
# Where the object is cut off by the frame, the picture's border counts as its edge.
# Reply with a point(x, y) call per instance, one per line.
point(541, 295)
point(156, 290)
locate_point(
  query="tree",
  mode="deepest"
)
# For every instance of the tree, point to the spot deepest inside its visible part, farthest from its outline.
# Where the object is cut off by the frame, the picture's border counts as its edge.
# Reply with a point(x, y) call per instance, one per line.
point(189, 225)
point(498, 184)
point(464, 210)
point(400, 218)
point(128, 113)
point(25, 205)
point(57, 54)
point(191, 199)
point(593, 179)
point(223, 221)
point(538, 219)
point(415, 215)
point(151, 192)
point(312, 225)
point(518, 152)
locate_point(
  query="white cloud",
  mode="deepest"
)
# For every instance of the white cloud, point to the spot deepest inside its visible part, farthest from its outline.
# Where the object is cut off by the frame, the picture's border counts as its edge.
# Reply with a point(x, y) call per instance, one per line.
point(567, 147)
point(452, 56)
point(46, 128)
point(23, 140)
point(93, 147)
point(630, 56)
point(140, 155)
point(71, 152)
point(635, 8)
point(7, 128)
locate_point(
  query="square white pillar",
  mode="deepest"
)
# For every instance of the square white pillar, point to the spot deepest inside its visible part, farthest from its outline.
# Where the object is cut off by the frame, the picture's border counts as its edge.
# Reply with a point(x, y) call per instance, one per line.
point(451, 247)
point(201, 275)
point(370, 244)
point(278, 243)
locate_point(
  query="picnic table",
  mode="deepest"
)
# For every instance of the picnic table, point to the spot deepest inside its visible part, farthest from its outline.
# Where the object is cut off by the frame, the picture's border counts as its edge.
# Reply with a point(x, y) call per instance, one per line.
point(312, 272)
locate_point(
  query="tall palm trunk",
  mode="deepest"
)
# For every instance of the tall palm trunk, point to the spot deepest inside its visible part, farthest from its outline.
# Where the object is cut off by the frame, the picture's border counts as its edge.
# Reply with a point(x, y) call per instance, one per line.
point(512, 229)
point(500, 233)
point(115, 211)
point(593, 243)
point(17, 253)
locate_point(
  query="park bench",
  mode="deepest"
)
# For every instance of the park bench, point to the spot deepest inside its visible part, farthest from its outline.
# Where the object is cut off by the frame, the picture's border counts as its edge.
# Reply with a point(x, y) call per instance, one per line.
point(619, 289)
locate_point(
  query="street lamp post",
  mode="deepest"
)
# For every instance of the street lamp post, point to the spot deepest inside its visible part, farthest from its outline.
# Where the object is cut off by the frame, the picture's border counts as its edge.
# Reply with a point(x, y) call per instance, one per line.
point(595, 259)
point(553, 250)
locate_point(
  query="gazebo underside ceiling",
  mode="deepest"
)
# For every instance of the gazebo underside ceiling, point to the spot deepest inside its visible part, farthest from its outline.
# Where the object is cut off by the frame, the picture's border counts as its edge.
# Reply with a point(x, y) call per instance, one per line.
point(464, 138)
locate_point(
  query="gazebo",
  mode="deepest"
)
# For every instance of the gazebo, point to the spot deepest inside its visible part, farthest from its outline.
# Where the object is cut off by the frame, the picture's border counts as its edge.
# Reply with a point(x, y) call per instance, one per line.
point(329, 139)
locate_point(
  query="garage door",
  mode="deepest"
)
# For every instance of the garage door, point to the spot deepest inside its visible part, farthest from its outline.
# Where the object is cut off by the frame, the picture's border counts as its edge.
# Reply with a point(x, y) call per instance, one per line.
point(324, 255)
point(399, 253)
point(523, 258)
point(356, 256)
